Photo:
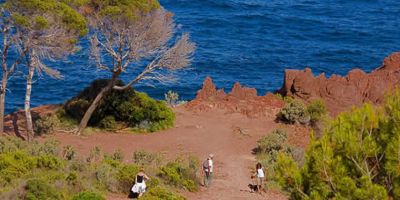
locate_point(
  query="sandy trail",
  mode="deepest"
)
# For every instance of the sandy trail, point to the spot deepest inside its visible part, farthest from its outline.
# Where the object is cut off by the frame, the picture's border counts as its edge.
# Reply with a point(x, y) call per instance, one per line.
point(198, 134)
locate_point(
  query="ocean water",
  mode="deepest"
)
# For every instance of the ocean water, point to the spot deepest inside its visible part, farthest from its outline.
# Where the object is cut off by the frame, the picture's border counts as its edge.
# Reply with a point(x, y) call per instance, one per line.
point(250, 41)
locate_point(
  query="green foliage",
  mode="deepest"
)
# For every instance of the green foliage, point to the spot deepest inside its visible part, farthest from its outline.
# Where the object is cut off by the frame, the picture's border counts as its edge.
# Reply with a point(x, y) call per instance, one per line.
point(273, 142)
point(34, 14)
point(128, 107)
point(94, 155)
point(125, 176)
point(108, 123)
point(161, 193)
point(356, 158)
point(141, 157)
point(180, 175)
point(68, 152)
point(88, 196)
point(45, 125)
point(294, 112)
point(37, 189)
point(37, 171)
point(316, 110)
point(122, 11)
point(171, 97)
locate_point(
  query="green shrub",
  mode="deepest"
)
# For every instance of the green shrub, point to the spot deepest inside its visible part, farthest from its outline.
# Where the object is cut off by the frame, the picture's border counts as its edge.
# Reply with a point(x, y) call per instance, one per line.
point(49, 162)
point(171, 97)
point(68, 152)
point(135, 109)
point(88, 196)
point(161, 193)
point(94, 155)
point(37, 189)
point(356, 158)
point(273, 142)
point(126, 176)
point(15, 164)
point(317, 110)
point(108, 123)
point(116, 156)
point(50, 147)
point(179, 175)
point(106, 177)
point(142, 157)
point(46, 125)
point(294, 112)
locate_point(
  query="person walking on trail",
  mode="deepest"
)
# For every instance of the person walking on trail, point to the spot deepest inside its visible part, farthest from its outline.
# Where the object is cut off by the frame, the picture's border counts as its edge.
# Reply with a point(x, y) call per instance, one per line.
point(140, 183)
point(208, 170)
point(260, 177)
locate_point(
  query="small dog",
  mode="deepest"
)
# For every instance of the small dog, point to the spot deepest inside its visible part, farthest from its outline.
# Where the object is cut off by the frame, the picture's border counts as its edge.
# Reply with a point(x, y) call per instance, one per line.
point(253, 187)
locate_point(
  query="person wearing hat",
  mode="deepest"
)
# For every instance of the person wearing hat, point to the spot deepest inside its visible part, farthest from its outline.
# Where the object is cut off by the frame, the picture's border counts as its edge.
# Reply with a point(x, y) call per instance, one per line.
point(208, 170)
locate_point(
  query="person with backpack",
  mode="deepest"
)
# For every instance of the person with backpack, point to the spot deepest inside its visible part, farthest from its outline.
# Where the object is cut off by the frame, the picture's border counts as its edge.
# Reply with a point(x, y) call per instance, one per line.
point(208, 170)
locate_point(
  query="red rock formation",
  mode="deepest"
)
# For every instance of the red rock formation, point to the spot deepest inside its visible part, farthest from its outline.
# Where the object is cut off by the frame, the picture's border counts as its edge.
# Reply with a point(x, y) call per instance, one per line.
point(341, 93)
point(241, 99)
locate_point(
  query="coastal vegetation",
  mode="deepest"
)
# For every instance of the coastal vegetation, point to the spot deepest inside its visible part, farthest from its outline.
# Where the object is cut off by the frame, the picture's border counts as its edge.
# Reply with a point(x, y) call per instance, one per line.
point(46, 171)
point(134, 36)
point(120, 109)
point(357, 157)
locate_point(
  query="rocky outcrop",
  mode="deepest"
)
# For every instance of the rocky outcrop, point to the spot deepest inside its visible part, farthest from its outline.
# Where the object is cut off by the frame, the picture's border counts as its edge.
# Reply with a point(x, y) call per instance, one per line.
point(241, 99)
point(341, 93)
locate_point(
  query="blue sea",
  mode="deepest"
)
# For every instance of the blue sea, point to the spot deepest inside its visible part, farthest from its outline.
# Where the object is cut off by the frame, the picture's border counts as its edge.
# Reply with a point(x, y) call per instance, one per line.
point(250, 41)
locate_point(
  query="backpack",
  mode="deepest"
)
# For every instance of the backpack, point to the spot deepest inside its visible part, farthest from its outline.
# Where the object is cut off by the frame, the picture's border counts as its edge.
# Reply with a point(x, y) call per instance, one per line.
point(205, 164)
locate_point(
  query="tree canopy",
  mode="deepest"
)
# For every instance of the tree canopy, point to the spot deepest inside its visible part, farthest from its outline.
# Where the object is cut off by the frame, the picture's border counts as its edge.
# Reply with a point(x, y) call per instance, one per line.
point(33, 14)
point(358, 157)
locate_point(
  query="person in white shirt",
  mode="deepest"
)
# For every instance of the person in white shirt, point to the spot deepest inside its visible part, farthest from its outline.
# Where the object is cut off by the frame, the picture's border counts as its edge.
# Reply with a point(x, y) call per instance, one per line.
point(208, 170)
point(260, 177)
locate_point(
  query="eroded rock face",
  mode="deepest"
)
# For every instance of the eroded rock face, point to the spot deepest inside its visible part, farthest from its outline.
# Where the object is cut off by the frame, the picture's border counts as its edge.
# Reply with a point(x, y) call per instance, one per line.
point(341, 93)
point(241, 99)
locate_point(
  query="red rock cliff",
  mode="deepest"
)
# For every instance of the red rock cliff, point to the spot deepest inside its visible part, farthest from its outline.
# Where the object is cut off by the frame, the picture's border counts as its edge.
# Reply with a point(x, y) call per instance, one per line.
point(341, 93)
point(241, 99)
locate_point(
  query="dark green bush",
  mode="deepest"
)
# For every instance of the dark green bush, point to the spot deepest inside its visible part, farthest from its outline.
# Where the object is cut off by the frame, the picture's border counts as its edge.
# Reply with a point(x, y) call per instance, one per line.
point(294, 112)
point(108, 123)
point(37, 189)
point(88, 196)
point(135, 109)
point(49, 162)
point(179, 175)
point(317, 110)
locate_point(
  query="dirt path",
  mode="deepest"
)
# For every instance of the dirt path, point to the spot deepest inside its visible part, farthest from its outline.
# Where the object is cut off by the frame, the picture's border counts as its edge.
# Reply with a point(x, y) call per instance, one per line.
point(200, 134)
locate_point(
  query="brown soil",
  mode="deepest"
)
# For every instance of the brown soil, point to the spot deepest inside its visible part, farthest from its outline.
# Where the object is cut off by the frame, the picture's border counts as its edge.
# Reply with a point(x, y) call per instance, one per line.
point(199, 134)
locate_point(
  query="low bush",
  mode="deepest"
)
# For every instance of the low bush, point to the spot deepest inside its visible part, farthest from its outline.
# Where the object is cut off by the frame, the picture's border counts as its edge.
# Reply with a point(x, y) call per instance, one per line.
point(69, 153)
point(141, 157)
point(37, 189)
point(46, 125)
point(88, 196)
point(125, 176)
point(171, 97)
point(316, 110)
point(134, 109)
point(161, 193)
point(180, 175)
point(108, 123)
point(294, 112)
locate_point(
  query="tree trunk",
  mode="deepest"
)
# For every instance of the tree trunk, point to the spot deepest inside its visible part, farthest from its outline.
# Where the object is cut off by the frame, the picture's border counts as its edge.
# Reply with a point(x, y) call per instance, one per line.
point(2, 100)
point(29, 124)
point(95, 103)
